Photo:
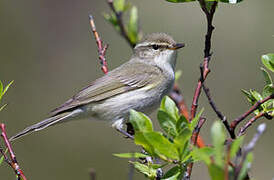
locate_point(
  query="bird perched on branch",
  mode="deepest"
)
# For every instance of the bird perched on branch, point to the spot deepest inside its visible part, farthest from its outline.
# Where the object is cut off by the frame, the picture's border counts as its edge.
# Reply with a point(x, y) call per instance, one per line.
point(138, 84)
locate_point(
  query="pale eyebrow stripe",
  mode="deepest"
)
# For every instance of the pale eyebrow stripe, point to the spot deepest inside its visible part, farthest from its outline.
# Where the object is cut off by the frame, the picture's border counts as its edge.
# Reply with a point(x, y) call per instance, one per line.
point(150, 44)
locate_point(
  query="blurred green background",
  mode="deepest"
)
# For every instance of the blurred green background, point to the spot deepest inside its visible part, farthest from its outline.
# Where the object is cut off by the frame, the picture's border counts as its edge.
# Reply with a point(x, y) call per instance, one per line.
point(47, 48)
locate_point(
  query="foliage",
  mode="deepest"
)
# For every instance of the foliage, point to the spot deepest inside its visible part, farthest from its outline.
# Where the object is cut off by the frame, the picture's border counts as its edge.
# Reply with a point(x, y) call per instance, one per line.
point(3, 91)
point(132, 27)
point(254, 96)
point(172, 145)
point(217, 157)
point(174, 148)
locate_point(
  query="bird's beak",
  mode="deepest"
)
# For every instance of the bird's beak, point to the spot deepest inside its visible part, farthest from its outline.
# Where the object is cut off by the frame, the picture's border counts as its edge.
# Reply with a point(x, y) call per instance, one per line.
point(177, 46)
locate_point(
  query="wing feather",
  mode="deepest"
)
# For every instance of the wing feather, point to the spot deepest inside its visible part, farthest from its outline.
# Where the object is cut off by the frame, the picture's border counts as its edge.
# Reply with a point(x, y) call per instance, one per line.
point(112, 84)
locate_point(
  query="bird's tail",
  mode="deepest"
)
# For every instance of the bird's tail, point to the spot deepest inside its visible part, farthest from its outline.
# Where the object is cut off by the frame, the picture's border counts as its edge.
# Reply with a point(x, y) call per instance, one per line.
point(46, 123)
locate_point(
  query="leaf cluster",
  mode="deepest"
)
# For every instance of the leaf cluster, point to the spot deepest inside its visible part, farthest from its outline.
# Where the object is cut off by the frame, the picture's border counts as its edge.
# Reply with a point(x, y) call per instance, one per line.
point(253, 96)
point(3, 91)
point(132, 27)
point(218, 157)
point(172, 146)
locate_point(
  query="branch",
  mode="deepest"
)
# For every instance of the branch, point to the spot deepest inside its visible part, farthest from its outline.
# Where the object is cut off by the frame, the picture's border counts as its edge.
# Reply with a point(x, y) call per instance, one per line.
point(218, 112)
point(101, 49)
point(250, 122)
point(235, 122)
point(207, 53)
point(194, 139)
point(197, 92)
point(119, 17)
point(248, 148)
point(12, 162)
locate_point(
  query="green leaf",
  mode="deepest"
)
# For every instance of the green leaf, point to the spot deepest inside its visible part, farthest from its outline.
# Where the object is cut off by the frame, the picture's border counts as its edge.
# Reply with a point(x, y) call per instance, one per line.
point(131, 155)
point(216, 172)
point(111, 18)
point(1, 88)
point(157, 166)
point(6, 88)
point(145, 169)
point(133, 26)
point(246, 166)
point(186, 156)
point(140, 139)
point(256, 95)
point(268, 90)
point(268, 61)
point(140, 121)
point(235, 146)
point(196, 119)
point(181, 140)
point(2, 107)
point(119, 5)
point(167, 123)
point(182, 123)
point(180, 1)
point(203, 154)
point(172, 174)
point(1, 159)
point(162, 146)
point(169, 107)
point(267, 76)
point(218, 138)
point(250, 98)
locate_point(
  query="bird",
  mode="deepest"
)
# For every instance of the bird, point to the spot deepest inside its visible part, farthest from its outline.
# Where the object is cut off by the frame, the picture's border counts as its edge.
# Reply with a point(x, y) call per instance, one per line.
point(139, 84)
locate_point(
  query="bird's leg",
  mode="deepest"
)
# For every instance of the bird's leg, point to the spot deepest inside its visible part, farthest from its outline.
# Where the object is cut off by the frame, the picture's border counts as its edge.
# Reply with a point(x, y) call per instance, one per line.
point(125, 133)
point(118, 125)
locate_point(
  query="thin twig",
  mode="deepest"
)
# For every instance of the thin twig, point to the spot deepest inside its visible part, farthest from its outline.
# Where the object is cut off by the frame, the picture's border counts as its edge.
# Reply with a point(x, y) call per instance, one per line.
point(205, 67)
point(248, 148)
point(14, 164)
point(119, 17)
point(101, 49)
point(250, 122)
point(207, 53)
point(194, 138)
point(197, 92)
point(218, 112)
point(239, 119)
point(5, 157)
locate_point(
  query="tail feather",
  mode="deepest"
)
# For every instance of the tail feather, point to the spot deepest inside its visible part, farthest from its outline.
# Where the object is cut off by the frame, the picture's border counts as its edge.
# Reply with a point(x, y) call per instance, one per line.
point(46, 123)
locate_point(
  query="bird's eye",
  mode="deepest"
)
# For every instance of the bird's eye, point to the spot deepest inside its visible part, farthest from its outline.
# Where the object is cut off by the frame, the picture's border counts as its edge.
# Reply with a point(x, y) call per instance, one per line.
point(155, 47)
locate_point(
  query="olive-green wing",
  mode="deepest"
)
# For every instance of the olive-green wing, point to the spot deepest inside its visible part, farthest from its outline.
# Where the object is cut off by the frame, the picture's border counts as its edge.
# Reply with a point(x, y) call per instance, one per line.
point(123, 79)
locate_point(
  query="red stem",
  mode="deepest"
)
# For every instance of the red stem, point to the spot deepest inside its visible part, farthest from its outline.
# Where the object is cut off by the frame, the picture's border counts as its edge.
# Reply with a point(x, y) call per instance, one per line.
point(235, 122)
point(101, 49)
point(14, 163)
point(250, 122)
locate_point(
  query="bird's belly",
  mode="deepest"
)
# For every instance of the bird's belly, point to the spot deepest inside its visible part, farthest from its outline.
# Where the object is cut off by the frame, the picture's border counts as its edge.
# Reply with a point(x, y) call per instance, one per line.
point(118, 107)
